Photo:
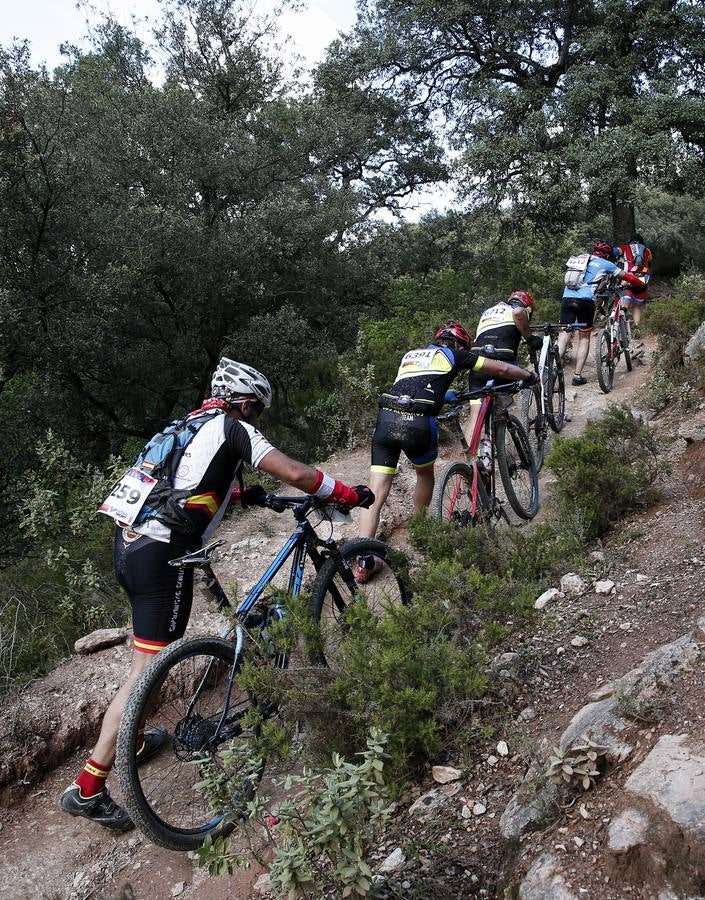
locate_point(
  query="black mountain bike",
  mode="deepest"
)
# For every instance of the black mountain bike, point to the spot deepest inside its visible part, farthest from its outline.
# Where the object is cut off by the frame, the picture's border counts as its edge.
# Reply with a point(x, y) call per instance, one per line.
point(544, 404)
point(190, 688)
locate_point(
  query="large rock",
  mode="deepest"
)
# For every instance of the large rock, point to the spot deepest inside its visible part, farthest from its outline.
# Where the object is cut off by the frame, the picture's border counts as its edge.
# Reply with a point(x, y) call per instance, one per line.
point(394, 861)
point(696, 345)
point(99, 640)
point(545, 880)
point(672, 777)
point(428, 803)
point(600, 723)
point(533, 805)
point(547, 597)
point(640, 689)
point(445, 774)
point(628, 831)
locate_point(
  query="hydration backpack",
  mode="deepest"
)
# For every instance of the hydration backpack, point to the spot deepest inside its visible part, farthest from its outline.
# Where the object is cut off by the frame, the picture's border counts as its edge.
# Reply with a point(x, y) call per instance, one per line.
point(575, 271)
point(635, 256)
point(160, 458)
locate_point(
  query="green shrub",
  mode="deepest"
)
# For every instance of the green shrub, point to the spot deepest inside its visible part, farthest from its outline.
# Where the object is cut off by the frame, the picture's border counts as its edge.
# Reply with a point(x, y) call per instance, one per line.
point(65, 586)
point(327, 826)
point(675, 319)
point(607, 471)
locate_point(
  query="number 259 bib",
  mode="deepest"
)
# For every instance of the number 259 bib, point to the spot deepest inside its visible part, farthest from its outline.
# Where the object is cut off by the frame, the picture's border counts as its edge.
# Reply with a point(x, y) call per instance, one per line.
point(128, 496)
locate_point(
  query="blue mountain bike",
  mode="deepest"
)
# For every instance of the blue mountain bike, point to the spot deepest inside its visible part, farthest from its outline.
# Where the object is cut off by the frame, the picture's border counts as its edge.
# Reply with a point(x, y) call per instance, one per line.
point(190, 688)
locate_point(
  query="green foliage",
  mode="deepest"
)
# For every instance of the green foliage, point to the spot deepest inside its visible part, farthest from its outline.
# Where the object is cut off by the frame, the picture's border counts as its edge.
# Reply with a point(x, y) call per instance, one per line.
point(571, 122)
point(576, 765)
point(64, 587)
point(330, 825)
point(607, 471)
point(674, 320)
point(327, 824)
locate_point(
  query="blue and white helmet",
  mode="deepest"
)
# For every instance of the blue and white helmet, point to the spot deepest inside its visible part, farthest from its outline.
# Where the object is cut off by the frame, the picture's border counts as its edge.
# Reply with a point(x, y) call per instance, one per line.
point(232, 379)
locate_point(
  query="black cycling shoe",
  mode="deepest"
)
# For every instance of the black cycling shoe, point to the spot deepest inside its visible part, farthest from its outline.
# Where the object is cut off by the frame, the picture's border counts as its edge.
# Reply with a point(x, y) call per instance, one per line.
point(155, 739)
point(101, 809)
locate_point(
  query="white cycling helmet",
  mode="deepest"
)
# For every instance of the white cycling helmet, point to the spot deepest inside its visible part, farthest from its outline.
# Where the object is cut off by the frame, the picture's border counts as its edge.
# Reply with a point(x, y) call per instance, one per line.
point(232, 378)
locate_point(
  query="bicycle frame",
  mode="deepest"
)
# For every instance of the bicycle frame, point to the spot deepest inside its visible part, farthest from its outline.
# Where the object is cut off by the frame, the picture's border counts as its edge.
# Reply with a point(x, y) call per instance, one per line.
point(484, 424)
point(301, 543)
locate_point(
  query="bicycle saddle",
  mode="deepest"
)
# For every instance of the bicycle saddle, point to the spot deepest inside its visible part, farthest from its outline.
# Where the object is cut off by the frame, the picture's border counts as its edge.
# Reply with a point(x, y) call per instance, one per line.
point(201, 557)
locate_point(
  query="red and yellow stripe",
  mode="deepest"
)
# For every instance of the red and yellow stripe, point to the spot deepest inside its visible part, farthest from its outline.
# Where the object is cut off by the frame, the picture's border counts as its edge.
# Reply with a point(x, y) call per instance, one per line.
point(151, 647)
point(208, 503)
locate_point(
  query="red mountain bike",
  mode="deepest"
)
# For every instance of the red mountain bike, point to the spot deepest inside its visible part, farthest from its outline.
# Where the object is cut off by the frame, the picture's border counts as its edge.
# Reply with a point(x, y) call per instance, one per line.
point(614, 339)
point(465, 493)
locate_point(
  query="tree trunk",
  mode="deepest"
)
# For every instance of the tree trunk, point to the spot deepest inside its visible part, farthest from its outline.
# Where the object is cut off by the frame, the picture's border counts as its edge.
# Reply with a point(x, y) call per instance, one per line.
point(623, 221)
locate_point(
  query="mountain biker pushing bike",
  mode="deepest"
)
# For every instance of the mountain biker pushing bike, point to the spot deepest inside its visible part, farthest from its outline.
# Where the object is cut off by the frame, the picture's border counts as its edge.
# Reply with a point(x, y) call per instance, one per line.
point(161, 595)
point(407, 416)
point(499, 331)
point(578, 303)
point(635, 257)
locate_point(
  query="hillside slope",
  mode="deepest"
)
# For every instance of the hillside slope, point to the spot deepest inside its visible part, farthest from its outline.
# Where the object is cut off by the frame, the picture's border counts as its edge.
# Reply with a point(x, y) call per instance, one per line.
point(46, 854)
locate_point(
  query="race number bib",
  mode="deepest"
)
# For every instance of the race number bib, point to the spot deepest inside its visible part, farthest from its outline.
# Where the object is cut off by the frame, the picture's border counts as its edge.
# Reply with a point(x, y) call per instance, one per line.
point(418, 360)
point(128, 496)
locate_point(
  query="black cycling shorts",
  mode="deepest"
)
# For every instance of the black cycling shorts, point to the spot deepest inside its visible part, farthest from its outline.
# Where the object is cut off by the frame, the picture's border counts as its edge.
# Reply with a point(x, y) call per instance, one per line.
point(160, 595)
point(575, 310)
point(416, 435)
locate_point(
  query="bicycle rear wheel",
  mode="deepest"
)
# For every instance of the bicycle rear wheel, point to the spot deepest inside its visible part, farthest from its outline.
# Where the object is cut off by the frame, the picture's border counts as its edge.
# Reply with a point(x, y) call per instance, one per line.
point(555, 391)
point(189, 690)
point(535, 425)
point(604, 362)
point(624, 341)
point(517, 468)
point(331, 595)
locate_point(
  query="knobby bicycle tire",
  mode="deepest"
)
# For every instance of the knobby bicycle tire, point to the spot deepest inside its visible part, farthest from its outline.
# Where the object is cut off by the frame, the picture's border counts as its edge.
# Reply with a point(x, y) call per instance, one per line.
point(555, 391)
point(452, 497)
point(604, 363)
point(624, 341)
point(162, 790)
point(517, 468)
point(331, 596)
point(534, 426)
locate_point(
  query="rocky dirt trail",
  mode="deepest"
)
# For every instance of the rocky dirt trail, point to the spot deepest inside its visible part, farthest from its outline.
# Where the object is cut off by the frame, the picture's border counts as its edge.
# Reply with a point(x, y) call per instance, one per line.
point(46, 854)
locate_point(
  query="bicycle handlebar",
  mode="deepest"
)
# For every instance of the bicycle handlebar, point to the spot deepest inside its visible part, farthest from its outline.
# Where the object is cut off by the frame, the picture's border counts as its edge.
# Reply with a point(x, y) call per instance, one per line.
point(489, 389)
point(302, 504)
point(558, 326)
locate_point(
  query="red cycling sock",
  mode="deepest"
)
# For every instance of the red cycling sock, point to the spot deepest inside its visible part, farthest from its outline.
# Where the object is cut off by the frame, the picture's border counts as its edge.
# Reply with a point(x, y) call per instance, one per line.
point(91, 781)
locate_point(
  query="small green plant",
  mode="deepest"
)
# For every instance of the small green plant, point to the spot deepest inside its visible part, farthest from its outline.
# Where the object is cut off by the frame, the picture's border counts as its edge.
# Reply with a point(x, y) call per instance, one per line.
point(319, 836)
point(607, 471)
point(576, 765)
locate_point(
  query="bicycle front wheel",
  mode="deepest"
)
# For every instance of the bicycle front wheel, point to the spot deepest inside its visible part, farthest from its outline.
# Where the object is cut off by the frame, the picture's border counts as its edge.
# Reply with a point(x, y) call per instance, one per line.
point(604, 361)
point(624, 341)
point(380, 586)
point(517, 468)
point(555, 391)
point(190, 691)
point(535, 425)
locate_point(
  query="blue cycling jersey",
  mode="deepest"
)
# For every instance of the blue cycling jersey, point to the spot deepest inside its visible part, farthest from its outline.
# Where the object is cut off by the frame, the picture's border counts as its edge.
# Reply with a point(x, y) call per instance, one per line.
point(596, 267)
